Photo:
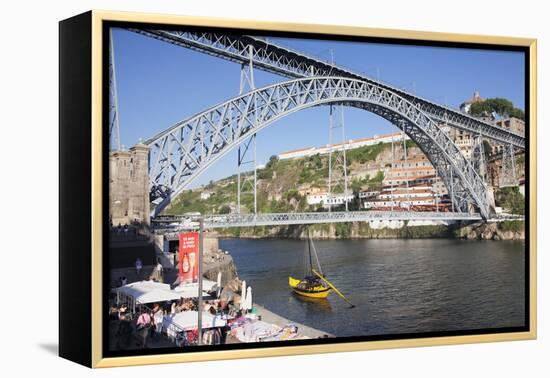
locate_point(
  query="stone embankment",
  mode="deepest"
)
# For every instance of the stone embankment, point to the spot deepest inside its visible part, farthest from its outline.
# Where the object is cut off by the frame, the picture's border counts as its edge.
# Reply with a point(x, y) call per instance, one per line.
point(215, 261)
point(508, 230)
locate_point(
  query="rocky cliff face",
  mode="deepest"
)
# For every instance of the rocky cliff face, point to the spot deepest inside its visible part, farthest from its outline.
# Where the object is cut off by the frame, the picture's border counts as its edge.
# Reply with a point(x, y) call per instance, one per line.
point(512, 230)
point(492, 231)
point(226, 267)
point(215, 260)
point(354, 230)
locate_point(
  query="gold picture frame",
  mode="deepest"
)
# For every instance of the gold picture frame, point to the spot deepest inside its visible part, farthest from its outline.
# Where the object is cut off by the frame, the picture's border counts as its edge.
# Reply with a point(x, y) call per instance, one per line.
point(95, 20)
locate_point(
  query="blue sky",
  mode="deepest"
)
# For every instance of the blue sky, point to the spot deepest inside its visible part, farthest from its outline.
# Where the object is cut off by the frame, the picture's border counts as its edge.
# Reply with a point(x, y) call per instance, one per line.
point(159, 84)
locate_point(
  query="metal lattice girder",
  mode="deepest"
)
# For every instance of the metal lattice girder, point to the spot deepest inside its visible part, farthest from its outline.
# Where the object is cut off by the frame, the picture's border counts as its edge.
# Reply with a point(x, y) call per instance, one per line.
point(508, 176)
point(114, 127)
point(337, 162)
point(182, 152)
point(284, 219)
point(478, 157)
point(274, 219)
point(280, 60)
point(243, 178)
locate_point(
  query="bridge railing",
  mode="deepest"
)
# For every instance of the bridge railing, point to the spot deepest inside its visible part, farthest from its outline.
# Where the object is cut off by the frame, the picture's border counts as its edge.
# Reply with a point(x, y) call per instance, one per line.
point(277, 219)
point(219, 221)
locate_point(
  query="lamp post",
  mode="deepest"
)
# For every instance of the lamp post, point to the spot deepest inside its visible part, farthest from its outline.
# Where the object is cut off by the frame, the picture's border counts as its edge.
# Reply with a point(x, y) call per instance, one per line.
point(200, 305)
point(188, 243)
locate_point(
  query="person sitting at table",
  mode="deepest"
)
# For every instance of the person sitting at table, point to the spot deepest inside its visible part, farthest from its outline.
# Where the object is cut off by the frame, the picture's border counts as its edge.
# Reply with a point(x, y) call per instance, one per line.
point(212, 310)
point(222, 306)
point(113, 313)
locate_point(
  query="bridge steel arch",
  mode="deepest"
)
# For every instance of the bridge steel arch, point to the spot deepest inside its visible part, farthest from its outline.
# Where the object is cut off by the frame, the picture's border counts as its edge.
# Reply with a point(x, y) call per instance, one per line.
point(280, 60)
point(185, 150)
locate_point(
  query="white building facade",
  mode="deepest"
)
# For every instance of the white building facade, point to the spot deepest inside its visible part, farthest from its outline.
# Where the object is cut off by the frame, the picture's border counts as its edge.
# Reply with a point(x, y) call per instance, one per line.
point(349, 145)
point(325, 200)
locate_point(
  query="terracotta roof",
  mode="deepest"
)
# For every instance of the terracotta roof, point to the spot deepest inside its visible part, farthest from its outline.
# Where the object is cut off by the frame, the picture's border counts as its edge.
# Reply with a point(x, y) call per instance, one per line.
point(415, 159)
point(349, 142)
point(405, 169)
point(376, 137)
point(389, 135)
point(417, 191)
point(361, 140)
point(411, 178)
point(298, 150)
point(394, 199)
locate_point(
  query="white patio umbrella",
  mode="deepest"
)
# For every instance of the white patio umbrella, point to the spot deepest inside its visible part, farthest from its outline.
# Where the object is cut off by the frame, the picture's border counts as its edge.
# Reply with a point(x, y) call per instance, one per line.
point(189, 319)
point(157, 295)
point(248, 299)
point(243, 295)
point(219, 283)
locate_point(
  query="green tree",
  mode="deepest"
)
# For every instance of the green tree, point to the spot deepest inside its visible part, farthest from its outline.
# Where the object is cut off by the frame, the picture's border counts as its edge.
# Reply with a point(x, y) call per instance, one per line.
point(343, 230)
point(511, 199)
point(293, 194)
point(500, 106)
point(379, 177)
point(317, 162)
point(356, 185)
point(225, 209)
point(272, 162)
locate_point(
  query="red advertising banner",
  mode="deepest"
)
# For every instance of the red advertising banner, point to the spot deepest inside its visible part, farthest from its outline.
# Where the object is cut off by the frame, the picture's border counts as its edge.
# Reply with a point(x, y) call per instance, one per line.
point(189, 256)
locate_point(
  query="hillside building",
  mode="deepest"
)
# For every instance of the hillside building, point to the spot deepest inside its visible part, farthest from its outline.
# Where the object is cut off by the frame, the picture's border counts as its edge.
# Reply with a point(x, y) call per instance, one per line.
point(513, 124)
point(418, 198)
point(466, 105)
point(325, 199)
point(348, 145)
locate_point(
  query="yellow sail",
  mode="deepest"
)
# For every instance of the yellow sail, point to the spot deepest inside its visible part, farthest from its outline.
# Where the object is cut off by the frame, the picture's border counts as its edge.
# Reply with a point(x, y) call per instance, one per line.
point(293, 282)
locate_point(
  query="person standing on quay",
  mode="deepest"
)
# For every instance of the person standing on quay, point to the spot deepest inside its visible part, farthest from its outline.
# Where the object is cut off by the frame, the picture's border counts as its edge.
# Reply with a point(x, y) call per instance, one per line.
point(158, 319)
point(139, 265)
point(159, 271)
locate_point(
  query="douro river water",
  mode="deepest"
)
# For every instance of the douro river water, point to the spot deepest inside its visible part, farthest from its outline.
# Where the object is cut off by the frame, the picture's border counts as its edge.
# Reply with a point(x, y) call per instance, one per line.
point(398, 286)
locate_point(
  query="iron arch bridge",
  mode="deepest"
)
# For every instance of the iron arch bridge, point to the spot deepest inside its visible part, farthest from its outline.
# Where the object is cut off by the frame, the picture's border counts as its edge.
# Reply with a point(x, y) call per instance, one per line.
point(185, 150)
point(271, 57)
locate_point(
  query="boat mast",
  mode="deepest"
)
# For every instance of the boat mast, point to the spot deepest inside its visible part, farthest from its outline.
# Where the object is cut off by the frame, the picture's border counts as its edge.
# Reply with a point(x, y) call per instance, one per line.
point(309, 249)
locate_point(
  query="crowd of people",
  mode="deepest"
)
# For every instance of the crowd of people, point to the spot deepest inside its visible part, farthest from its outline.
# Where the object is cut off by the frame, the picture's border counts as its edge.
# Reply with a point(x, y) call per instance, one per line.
point(147, 323)
point(138, 327)
point(157, 325)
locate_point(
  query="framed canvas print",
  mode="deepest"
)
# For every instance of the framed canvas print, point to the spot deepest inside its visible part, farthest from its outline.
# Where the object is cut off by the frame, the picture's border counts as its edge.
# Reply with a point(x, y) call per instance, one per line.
point(235, 189)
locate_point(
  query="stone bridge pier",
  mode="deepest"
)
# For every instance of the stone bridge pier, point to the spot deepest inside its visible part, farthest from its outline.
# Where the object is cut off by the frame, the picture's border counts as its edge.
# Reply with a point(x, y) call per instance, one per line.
point(129, 186)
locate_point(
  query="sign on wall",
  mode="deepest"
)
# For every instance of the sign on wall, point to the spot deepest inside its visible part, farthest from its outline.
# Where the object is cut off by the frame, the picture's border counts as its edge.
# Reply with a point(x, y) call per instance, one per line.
point(189, 251)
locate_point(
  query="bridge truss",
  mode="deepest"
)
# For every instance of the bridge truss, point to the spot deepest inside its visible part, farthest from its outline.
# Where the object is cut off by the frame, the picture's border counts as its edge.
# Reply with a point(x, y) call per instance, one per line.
point(285, 219)
point(269, 56)
point(180, 153)
point(185, 150)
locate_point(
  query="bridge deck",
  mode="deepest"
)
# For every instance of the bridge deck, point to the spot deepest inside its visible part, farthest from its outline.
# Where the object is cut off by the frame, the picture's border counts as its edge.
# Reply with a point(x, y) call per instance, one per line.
point(283, 219)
